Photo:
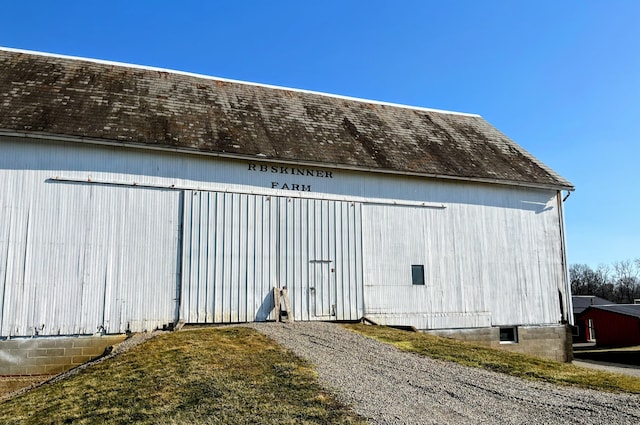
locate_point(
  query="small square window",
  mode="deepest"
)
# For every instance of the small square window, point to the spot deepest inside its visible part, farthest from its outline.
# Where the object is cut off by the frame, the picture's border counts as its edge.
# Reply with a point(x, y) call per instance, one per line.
point(508, 335)
point(417, 274)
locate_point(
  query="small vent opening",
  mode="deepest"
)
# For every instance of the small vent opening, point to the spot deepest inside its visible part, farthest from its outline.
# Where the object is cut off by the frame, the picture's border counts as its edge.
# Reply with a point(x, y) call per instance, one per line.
point(508, 335)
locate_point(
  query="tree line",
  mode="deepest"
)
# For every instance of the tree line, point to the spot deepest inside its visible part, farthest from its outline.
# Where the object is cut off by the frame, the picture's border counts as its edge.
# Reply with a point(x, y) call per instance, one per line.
point(618, 283)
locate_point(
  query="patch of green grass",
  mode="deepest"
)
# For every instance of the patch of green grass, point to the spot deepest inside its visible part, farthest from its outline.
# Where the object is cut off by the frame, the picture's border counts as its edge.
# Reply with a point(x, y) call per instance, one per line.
point(203, 376)
point(515, 364)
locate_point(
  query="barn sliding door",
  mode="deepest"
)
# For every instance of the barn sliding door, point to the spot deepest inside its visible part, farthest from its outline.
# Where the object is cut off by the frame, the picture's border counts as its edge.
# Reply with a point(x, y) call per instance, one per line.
point(237, 247)
point(85, 258)
point(229, 242)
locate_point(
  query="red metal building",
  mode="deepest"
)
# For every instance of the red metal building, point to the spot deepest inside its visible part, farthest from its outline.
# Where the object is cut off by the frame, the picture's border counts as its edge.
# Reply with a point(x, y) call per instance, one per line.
point(613, 325)
point(580, 303)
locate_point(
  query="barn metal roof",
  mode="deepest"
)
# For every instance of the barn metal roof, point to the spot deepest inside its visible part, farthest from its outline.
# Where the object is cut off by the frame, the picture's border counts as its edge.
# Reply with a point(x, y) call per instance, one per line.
point(582, 302)
point(626, 309)
point(95, 101)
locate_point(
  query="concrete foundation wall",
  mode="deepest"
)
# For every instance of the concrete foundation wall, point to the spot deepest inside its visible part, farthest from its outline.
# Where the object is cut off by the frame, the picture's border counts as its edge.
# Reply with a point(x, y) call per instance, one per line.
point(50, 355)
point(552, 342)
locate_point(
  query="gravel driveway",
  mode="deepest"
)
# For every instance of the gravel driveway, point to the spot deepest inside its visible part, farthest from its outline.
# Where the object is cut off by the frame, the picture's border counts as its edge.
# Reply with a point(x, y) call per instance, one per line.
point(392, 387)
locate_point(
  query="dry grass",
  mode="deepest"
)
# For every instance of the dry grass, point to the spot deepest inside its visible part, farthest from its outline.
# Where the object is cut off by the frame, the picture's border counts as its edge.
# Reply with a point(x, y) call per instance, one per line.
point(204, 376)
point(515, 364)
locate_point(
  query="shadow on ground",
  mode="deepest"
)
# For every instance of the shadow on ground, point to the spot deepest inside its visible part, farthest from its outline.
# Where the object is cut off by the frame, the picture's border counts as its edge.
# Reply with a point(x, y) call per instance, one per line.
point(615, 355)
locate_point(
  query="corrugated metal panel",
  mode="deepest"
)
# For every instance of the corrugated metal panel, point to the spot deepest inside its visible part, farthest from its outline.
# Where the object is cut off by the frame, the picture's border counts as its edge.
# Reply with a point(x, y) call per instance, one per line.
point(498, 253)
point(624, 309)
point(492, 249)
point(451, 320)
point(110, 165)
point(237, 247)
point(77, 258)
point(613, 328)
point(323, 249)
point(227, 270)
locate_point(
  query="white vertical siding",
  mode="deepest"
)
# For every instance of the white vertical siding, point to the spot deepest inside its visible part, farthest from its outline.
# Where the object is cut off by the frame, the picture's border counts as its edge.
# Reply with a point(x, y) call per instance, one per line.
point(77, 256)
point(324, 272)
point(226, 276)
point(494, 260)
point(81, 257)
point(261, 242)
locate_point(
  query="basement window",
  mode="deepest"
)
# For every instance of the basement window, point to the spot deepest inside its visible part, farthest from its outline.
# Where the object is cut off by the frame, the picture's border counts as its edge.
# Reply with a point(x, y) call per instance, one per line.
point(417, 274)
point(509, 335)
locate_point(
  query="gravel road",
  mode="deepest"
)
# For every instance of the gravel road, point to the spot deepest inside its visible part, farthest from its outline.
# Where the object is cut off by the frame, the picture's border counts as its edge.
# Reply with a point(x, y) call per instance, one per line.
point(391, 387)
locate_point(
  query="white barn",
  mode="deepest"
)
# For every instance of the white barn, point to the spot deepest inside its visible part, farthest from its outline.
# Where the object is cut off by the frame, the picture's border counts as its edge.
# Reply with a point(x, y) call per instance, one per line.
point(134, 198)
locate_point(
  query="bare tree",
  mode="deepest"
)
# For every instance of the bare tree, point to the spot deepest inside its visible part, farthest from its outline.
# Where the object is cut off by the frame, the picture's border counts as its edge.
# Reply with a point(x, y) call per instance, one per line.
point(620, 283)
point(586, 281)
point(627, 281)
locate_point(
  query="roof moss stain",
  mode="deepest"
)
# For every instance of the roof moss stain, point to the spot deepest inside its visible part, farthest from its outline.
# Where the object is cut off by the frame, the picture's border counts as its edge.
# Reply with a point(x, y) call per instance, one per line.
point(89, 99)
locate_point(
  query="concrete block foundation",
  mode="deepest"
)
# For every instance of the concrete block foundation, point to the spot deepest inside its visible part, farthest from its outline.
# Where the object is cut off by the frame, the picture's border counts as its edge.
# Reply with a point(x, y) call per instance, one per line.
point(551, 342)
point(51, 355)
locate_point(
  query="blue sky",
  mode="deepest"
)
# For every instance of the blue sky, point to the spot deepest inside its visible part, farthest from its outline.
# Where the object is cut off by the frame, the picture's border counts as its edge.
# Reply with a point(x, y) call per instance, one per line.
point(561, 78)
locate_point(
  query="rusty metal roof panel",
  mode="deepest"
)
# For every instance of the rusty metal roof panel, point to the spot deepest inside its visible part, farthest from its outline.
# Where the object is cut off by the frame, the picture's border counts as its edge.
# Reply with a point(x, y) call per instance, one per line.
point(90, 99)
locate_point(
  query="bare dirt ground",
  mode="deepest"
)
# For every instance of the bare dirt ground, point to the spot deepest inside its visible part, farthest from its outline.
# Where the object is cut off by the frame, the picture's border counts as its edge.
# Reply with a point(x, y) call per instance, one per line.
point(391, 387)
point(13, 384)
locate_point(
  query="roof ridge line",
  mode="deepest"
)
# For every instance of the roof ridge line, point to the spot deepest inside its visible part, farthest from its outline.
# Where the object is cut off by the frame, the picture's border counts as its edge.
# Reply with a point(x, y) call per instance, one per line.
point(230, 80)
